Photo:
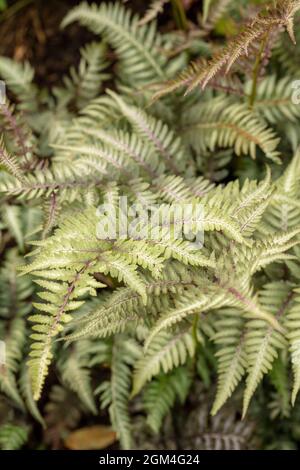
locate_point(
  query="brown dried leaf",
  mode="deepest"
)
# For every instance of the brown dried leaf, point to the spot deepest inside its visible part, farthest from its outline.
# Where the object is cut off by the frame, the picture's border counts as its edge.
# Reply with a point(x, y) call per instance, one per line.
point(91, 438)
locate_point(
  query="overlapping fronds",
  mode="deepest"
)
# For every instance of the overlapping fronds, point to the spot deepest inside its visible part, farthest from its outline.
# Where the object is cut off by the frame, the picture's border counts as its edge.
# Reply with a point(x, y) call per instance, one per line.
point(221, 123)
point(200, 73)
point(137, 46)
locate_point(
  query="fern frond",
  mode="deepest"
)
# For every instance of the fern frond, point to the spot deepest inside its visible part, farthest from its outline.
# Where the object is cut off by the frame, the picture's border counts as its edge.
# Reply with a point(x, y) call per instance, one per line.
point(85, 83)
point(202, 72)
point(61, 294)
point(12, 436)
point(283, 212)
point(77, 378)
point(155, 132)
point(115, 393)
point(129, 144)
point(10, 162)
point(224, 124)
point(69, 182)
point(26, 391)
point(69, 260)
point(262, 341)
point(160, 395)
point(137, 46)
point(188, 305)
point(274, 100)
point(19, 79)
point(164, 354)
point(231, 355)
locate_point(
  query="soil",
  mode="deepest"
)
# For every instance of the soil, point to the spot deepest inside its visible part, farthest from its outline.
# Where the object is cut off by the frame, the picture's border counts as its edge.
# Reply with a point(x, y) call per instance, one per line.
point(33, 33)
point(30, 30)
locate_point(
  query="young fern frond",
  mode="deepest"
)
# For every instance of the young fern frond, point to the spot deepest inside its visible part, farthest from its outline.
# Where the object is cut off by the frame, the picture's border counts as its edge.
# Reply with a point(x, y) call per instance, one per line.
point(231, 355)
point(213, 11)
point(19, 78)
point(26, 391)
point(85, 83)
